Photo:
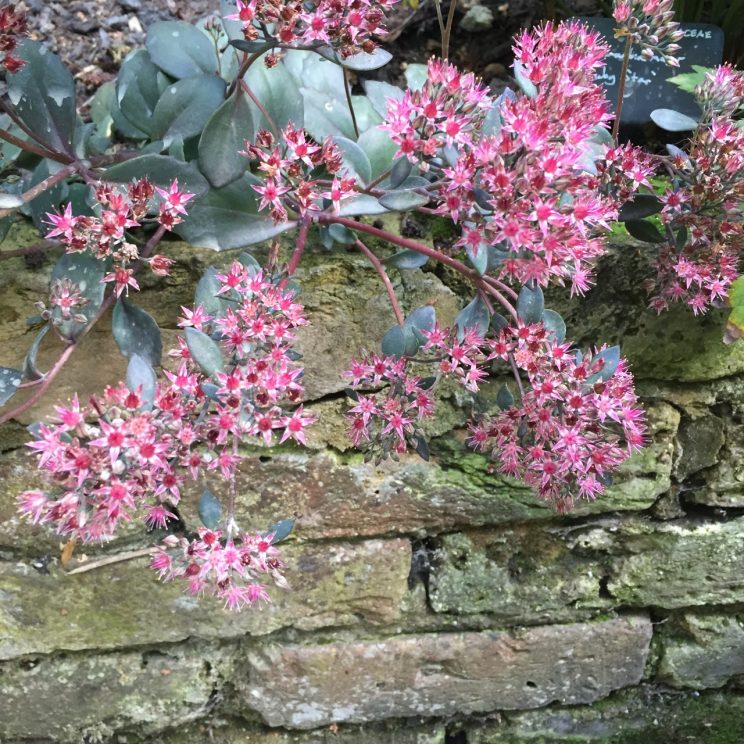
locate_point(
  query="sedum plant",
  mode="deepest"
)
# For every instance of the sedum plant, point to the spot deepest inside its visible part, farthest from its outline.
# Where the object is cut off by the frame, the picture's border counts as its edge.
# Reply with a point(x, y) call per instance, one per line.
point(245, 127)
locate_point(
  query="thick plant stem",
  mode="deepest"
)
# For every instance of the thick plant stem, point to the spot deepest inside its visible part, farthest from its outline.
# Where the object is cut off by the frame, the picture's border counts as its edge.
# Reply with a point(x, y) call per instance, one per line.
point(40, 188)
point(347, 90)
point(380, 269)
point(111, 559)
point(621, 89)
point(294, 260)
point(29, 250)
point(248, 60)
point(425, 250)
point(448, 30)
point(31, 147)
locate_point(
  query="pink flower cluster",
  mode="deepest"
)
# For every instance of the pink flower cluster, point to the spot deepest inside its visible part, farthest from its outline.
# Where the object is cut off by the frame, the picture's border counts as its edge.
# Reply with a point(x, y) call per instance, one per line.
point(118, 458)
point(346, 25)
point(525, 177)
point(385, 421)
point(12, 25)
point(651, 24)
point(704, 205)
point(287, 169)
point(576, 422)
point(108, 462)
point(256, 331)
point(445, 112)
point(105, 234)
point(228, 568)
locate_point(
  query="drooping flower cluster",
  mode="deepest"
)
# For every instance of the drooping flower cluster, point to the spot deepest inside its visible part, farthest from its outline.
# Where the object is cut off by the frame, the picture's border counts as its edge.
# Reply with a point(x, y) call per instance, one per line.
point(522, 173)
point(229, 568)
point(124, 456)
point(651, 24)
point(105, 234)
point(109, 462)
point(623, 170)
point(348, 26)
point(385, 421)
point(704, 205)
point(288, 166)
point(12, 26)
point(575, 423)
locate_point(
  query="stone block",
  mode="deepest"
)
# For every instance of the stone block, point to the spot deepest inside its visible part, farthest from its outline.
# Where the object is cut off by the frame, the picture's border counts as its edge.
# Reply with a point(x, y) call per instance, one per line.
point(125, 604)
point(533, 573)
point(307, 686)
point(699, 651)
point(76, 698)
point(640, 714)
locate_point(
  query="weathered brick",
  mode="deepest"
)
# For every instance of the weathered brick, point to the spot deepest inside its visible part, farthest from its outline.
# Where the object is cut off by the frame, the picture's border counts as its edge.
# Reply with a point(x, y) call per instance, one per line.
point(700, 651)
point(88, 698)
point(534, 573)
point(442, 674)
point(124, 604)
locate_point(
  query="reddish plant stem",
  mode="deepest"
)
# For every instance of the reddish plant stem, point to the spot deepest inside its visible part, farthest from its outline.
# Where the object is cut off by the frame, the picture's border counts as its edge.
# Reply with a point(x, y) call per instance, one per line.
point(347, 90)
point(44, 245)
point(380, 269)
point(261, 108)
point(621, 89)
point(517, 378)
point(425, 250)
point(49, 377)
point(294, 260)
point(41, 187)
point(501, 285)
point(448, 30)
point(31, 147)
point(248, 60)
point(10, 111)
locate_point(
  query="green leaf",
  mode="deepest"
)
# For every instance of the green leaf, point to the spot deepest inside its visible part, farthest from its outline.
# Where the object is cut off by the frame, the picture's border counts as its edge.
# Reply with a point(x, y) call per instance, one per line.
point(206, 294)
point(141, 376)
point(688, 81)
point(138, 89)
point(673, 121)
point(135, 332)
point(43, 93)
point(394, 343)
point(205, 352)
point(504, 398)
point(378, 94)
point(401, 169)
point(363, 62)
point(361, 204)
point(227, 218)
point(278, 92)
point(379, 149)
point(341, 234)
point(645, 231)
point(530, 304)
point(180, 49)
point(642, 205)
point(421, 447)
point(354, 159)
point(222, 139)
point(10, 379)
point(402, 200)
point(474, 315)
point(407, 259)
point(281, 530)
point(478, 260)
point(161, 170)
point(611, 358)
point(87, 272)
point(209, 509)
point(30, 371)
point(555, 325)
point(186, 106)
point(527, 86)
point(422, 318)
point(416, 76)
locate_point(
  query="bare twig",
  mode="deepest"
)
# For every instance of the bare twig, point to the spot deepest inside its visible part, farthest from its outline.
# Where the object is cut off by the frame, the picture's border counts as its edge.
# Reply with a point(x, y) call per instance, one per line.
point(380, 269)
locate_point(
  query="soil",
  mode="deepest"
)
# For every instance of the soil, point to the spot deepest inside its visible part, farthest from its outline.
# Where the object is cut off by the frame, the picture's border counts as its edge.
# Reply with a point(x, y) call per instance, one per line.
point(93, 36)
